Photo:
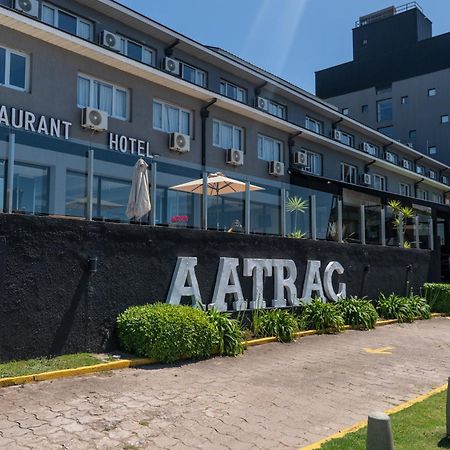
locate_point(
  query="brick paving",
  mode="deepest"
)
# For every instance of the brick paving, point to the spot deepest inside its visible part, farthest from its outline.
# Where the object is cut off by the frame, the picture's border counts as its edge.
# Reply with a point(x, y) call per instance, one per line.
point(275, 397)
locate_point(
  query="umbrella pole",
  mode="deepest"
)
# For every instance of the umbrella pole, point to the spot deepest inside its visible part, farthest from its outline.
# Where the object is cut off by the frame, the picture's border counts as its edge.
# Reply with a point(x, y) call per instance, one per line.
point(217, 210)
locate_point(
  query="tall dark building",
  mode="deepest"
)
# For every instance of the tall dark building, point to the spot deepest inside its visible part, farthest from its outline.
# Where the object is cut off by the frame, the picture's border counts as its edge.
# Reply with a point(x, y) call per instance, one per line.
point(398, 81)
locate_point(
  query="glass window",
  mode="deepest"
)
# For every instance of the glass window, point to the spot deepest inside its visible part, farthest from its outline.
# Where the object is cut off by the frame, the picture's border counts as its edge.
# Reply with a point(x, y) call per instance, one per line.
point(422, 194)
point(379, 182)
point(227, 136)
point(13, 68)
point(48, 15)
point(192, 74)
point(347, 139)
point(405, 189)
point(269, 149)
point(76, 195)
point(103, 97)
point(111, 198)
point(371, 149)
point(170, 118)
point(349, 173)
point(387, 131)
point(136, 51)
point(384, 110)
point(30, 191)
point(420, 169)
point(297, 207)
point(314, 163)
point(444, 118)
point(431, 92)
point(432, 150)
point(84, 85)
point(232, 91)
point(364, 108)
point(276, 109)
point(404, 100)
point(407, 164)
point(373, 223)
point(2, 65)
point(345, 111)
point(412, 134)
point(313, 125)
point(2, 184)
point(67, 22)
point(84, 29)
point(265, 214)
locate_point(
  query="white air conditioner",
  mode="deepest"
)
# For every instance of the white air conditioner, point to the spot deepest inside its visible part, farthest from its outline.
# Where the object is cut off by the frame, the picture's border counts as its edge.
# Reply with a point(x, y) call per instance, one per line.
point(179, 143)
point(301, 158)
point(29, 7)
point(366, 147)
point(235, 157)
point(171, 65)
point(110, 40)
point(406, 164)
point(263, 103)
point(366, 179)
point(94, 119)
point(276, 168)
point(388, 156)
point(337, 135)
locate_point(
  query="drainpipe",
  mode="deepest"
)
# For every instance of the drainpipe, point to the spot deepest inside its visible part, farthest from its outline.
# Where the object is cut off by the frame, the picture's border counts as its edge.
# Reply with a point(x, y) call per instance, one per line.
point(291, 144)
point(416, 186)
point(168, 51)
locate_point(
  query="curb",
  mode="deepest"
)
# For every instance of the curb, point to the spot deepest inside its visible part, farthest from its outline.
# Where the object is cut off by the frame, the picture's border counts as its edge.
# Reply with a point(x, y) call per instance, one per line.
point(127, 363)
point(363, 423)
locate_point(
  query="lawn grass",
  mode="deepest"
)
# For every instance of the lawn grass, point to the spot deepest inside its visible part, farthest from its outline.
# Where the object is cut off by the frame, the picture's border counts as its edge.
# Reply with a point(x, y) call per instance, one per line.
point(420, 427)
point(41, 365)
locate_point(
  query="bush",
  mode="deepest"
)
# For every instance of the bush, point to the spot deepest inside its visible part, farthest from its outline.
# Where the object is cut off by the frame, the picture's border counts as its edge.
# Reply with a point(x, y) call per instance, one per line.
point(276, 322)
point(228, 331)
point(323, 317)
point(166, 332)
point(438, 297)
point(420, 307)
point(395, 307)
point(358, 312)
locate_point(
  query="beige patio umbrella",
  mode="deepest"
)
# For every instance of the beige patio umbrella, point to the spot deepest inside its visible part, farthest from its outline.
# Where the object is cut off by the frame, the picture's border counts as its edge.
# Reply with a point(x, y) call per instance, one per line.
point(218, 184)
point(139, 202)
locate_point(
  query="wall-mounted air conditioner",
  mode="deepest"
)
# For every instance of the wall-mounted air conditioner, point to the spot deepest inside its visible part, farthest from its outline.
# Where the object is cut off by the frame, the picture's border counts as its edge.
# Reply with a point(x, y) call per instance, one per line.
point(94, 119)
point(180, 143)
point(235, 157)
point(337, 135)
point(263, 104)
point(171, 65)
point(110, 40)
point(301, 158)
point(366, 179)
point(29, 7)
point(276, 168)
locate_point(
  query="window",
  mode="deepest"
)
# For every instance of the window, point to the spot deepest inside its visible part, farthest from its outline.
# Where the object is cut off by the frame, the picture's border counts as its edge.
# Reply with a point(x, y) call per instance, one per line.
point(379, 182)
point(412, 134)
point(98, 94)
point(445, 179)
point(432, 150)
point(170, 118)
point(345, 111)
point(276, 109)
point(444, 118)
point(349, 173)
point(13, 69)
point(67, 22)
point(314, 163)
point(232, 91)
point(420, 169)
point(431, 92)
point(384, 110)
point(192, 74)
point(436, 198)
point(137, 52)
point(364, 108)
point(422, 194)
point(433, 174)
point(347, 139)
point(269, 149)
point(408, 164)
point(387, 131)
point(404, 100)
point(364, 42)
point(313, 125)
point(371, 149)
point(391, 157)
point(227, 136)
point(405, 189)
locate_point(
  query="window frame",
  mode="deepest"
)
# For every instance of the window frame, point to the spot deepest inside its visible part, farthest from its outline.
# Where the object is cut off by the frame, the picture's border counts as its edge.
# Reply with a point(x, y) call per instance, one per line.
point(353, 169)
point(432, 147)
point(7, 83)
point(309, 155)
point(196, 70)
point(277, 105)
point(126, 40)
point(379, 118)
point(420, 170)
point(404, 99)
point(444, 119)
point(318, 123)
point(382, 179)
point(406, 187)
point(351, 139)
point(275, 142)
point(376, 149)
point(180, 109)
point(432, 92)
point(226, 83)
point(234, 128)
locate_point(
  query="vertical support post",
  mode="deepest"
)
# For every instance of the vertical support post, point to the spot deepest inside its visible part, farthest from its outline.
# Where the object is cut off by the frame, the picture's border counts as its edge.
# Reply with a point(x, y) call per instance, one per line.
point(383, 226)
point(448, 408)
point(363, 225)
point(247, 207)
point(153, 190)
point(313, 217)
point(416, 231)
point(10, 174)
point(283, 212)
point(90, 185)
point(205, 201)
point(379, 432)
point(401, 236)
point(340, 225)
point(431, 231)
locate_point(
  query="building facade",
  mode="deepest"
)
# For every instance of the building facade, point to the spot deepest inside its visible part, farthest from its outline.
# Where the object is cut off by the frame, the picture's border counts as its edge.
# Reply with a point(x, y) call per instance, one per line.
point(88, 87)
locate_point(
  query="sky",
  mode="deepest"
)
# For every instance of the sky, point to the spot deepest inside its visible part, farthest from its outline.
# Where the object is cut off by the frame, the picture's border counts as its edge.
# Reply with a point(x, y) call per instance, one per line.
point(290, 38)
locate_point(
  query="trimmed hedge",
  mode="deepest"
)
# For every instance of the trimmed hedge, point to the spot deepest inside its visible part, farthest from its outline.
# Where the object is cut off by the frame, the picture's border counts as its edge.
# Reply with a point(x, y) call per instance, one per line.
point(438, 297)
point(166, 332)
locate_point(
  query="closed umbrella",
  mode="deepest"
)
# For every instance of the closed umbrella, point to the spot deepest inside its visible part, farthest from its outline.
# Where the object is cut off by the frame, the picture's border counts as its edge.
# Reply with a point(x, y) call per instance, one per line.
point(139, 201)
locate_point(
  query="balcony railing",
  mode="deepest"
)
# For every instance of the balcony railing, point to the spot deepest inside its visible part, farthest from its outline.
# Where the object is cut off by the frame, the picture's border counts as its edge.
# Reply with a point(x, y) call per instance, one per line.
point(388, 12)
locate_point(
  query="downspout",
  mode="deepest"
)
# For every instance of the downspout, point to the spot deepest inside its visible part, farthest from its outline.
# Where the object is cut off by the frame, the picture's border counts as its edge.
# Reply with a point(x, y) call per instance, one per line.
point(416, 185)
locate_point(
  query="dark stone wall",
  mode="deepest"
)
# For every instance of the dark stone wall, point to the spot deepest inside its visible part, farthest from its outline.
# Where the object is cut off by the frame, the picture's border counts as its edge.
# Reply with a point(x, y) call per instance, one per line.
point(50, 303)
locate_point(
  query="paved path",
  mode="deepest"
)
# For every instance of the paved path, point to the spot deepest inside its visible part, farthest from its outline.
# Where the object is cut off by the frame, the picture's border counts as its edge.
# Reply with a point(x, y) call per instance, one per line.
point(275, 397)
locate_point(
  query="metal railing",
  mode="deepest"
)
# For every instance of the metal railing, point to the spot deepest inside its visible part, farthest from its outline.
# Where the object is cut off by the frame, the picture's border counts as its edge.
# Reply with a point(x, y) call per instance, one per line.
point(383, 14)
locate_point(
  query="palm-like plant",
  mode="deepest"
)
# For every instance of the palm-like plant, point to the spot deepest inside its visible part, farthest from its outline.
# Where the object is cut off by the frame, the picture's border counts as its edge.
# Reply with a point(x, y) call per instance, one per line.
point(296, 205)
point(401, 216)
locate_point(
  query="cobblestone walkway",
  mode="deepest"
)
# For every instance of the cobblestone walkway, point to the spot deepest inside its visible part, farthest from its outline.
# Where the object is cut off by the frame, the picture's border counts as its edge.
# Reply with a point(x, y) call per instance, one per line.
point(275, 397)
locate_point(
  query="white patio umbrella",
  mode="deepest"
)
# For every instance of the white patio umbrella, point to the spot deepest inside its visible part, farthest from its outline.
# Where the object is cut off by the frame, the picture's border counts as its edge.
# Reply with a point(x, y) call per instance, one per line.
point(218, 184)
point(139, 201)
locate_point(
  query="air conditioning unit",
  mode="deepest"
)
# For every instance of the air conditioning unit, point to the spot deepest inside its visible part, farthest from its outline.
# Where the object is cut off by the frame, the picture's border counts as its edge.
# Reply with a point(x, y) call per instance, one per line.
point(366, 147)
point(171, 65)
point(263, 103)
point(29, 7)
point(301, 158)
point(366, 179)
point(388, 156)
point(94, 119)
point(235, 157)
point(276, 168)
point(179, 143)
point(110, 40)
point(337, 135)
point(406, 164)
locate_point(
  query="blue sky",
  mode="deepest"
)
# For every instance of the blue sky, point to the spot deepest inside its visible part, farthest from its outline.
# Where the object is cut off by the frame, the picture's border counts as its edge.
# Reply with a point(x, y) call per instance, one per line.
point(290, 38)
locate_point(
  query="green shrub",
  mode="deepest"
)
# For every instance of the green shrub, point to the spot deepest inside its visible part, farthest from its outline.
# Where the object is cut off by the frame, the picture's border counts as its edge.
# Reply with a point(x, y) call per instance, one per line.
point(228, 331)
point(358, 312)
point(420, 307)
point(166, 332)
point(438, 297)
point(323, 317)
point(278, 323)
point(395, 307)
